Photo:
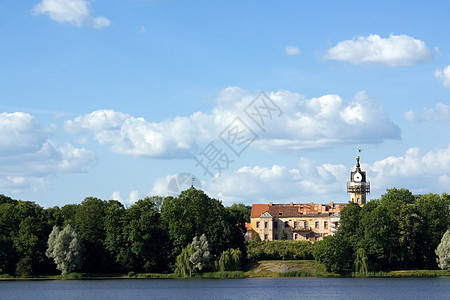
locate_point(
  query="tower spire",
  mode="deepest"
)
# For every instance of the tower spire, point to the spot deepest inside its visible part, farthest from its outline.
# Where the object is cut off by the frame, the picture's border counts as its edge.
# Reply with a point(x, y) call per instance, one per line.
point(358, 187)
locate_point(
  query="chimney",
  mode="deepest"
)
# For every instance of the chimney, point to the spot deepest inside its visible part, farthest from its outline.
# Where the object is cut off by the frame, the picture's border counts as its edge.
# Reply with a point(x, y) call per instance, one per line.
point(291, 204)
point(270, 203)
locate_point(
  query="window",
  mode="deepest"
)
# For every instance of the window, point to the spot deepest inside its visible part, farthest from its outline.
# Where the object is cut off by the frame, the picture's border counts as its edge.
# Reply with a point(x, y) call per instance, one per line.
point(265, 237)
point(305, 224)
point(280, 213)
point(325, 224)
point(257, 224)
point(276, 237)
point(295, 236)
point(286, 224)
point(265, 224)
point(307, 236)
point(358, 200)
point(295, 224)
point(316, 224)
point(275, 224)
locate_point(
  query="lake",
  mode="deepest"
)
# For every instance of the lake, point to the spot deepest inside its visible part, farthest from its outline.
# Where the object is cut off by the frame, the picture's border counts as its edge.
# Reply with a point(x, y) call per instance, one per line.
point(250, 288)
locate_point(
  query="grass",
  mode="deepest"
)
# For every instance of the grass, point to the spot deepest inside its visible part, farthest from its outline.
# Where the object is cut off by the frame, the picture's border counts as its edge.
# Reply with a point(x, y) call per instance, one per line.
point(288, 268)
point(264, 268)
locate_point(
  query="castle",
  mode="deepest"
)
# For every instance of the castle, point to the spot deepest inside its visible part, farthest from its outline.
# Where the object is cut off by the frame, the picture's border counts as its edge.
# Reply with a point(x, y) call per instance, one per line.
point(307, 222)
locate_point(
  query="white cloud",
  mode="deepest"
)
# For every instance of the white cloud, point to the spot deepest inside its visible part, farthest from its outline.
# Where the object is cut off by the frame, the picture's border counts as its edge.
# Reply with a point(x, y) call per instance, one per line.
point(441, 112)
point(75, 12)
point(20, 133)
point(132, 197)
point(443, 75)
point(305, 183)
point(418, 171)
point(421, 172)
point(396, 50)
point(292, 50)
point(28, 155)
point(17, 184)
point(304, 124)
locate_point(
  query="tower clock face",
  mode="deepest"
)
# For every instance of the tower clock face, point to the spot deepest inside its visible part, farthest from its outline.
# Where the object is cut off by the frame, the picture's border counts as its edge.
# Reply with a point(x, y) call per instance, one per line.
point(357, 177)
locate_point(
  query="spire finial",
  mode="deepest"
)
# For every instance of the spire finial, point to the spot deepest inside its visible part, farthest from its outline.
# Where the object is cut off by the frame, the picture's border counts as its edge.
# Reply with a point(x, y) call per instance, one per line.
point(192, 185)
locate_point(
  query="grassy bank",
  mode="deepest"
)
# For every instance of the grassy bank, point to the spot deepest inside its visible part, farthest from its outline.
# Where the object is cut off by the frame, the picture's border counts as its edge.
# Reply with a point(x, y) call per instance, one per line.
point(288, 268)
point(260, 269)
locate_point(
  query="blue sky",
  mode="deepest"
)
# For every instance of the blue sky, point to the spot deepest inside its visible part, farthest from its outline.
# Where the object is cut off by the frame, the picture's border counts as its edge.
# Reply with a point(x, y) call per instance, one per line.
point(113, 99)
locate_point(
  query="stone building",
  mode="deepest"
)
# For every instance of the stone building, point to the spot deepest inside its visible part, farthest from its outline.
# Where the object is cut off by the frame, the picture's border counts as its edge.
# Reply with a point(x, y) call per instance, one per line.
point(307, 222)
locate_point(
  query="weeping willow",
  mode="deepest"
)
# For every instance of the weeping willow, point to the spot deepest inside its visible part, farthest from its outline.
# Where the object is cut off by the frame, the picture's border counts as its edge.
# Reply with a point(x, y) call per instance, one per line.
point(183, 266)
point(230, 260)
point(361, 261)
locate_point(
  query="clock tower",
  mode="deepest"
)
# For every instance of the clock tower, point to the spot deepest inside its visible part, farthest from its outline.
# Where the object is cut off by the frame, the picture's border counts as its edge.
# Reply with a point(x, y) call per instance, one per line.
point(358, 186)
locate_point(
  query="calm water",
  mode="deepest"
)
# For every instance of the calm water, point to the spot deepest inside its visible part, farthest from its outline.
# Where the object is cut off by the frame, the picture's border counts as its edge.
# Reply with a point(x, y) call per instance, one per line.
point(267, 288)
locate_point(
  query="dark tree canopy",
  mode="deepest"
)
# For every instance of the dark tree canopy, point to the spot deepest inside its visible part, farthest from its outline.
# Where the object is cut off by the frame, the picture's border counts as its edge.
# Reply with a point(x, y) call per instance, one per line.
point(399, 230)
point(144, 237)
point(194, 213)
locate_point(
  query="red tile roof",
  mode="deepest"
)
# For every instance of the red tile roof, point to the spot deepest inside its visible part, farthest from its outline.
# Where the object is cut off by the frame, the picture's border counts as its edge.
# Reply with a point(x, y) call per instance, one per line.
point(258, 209)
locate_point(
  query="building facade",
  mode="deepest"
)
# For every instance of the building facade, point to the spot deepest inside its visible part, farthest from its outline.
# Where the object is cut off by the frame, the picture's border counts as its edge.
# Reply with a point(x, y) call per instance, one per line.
point(304, 222)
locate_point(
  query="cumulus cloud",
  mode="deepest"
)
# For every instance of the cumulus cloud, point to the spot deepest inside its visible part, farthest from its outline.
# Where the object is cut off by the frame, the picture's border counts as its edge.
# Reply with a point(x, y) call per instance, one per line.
point(74, 12)
point(443, 75)
point(441, 112)
point(132, 197)
point(305, 182)
point(292, 50)
point(298, 123)
point(28, 155)
point(421, 172)
point(20, 133)
point(394, 51)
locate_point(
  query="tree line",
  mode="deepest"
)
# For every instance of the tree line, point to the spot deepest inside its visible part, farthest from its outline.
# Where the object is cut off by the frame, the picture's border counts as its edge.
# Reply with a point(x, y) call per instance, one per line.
point(148, 236)
point(398, 231)
point(195, 233)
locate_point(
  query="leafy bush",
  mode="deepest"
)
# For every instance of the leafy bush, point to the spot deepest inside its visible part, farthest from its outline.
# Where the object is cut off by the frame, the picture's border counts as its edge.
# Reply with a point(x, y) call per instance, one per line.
point(279, 250)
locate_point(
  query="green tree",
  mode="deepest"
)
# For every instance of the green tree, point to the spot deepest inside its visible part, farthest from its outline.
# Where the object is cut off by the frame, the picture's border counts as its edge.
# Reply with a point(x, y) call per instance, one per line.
point(146, 237)
point(8, 227)
point(183, 266)
point(361, 263)
point(65, 248)
point(434, 213)
point(350, 224)
point(29, 233)
point(116, 241)
point(230, 260)
point(334, 252)
point(239, 214)
point(201, 254)
point(390, 230)
point(194, 213)
point(89, 224)
point(443, 252)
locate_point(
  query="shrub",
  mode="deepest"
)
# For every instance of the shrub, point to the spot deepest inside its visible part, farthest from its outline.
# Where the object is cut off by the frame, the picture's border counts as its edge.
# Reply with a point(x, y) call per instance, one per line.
point(279, 250)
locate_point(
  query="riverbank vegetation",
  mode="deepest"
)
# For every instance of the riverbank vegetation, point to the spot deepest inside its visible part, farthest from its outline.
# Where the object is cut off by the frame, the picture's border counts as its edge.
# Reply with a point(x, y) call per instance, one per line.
point(400, 231)
point(195, 236)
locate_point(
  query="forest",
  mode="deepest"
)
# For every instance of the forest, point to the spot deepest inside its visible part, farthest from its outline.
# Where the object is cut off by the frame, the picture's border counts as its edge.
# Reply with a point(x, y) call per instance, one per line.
point(196, 233)
point(397, 232)
point(145, 237)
